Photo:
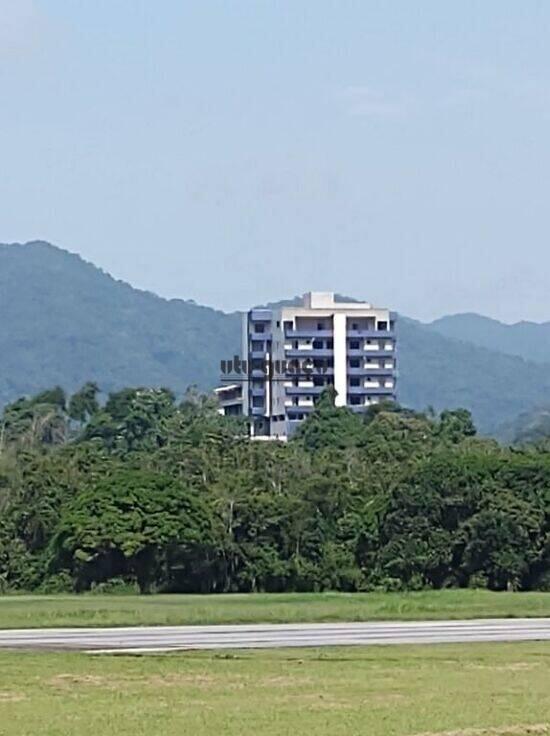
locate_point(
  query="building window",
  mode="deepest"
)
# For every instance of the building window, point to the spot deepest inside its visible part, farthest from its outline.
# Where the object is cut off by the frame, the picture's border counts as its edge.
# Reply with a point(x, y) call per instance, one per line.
point(383, 326)
point(330, 344)
point(354, 381)
point(278, 323)
point(355, 400)
point(354, 326)
point(354, 344)
point(317, 344)
point(320, 325)
point(258, 327)
point(354, 363)
point(257, 401)
point(257, 345)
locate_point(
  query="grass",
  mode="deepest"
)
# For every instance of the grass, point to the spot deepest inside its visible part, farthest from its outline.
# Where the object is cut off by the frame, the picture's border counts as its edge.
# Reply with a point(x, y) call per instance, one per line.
point(23, 611)
point(500, 689)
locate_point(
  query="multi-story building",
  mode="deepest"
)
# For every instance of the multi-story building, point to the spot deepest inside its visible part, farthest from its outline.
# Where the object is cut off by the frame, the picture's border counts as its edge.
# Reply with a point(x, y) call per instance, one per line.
point(292, 353)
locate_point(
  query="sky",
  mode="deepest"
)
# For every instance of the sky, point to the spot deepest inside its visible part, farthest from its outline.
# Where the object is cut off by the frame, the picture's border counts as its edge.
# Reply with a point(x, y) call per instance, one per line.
point(236, 152)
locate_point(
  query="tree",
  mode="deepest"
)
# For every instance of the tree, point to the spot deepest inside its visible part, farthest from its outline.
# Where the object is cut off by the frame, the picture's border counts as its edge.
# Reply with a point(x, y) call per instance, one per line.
point(126, 524)
point(83, 404)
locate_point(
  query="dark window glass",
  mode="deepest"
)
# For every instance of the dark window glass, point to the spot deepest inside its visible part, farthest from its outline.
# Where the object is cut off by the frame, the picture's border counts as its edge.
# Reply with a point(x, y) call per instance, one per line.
point(354, 344)
point(354, 381)
point(354, 363)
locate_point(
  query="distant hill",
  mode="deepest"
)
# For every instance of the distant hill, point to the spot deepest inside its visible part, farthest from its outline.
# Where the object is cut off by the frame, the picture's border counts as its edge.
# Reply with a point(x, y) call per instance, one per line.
point(529, 340)
point(64, 321)
point(529, 426)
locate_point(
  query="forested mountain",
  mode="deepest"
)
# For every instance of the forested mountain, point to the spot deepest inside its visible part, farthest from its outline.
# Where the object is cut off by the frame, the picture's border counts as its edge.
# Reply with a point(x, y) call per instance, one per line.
point(65, 322)
point(529, 340)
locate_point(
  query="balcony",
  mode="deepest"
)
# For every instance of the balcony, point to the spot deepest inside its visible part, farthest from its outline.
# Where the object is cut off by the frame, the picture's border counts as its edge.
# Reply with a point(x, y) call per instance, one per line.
point(259, 335)
point(310, 334)
point(309, 353)
point(372, 371)
point(293, 410)
point(304, 390)
point(371, 334)
point(371, 390)
point(258, 411)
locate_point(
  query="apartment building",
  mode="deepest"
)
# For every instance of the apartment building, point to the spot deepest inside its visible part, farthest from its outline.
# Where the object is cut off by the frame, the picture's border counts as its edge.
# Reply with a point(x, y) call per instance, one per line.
point(292, 353)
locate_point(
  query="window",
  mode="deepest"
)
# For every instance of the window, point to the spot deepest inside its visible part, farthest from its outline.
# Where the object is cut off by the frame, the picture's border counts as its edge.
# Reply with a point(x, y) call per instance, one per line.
point(278, 323)
point(330, 344)
point(354, 326)
point(383, 326)
point(257, 401)
point(317, 344)
point(257, 345)
point(354, 363)
point(320, 325)
point(354, 381)
point(259, 327)
point(295, 344)
point(288, 325)
point(354, 344)
point(355, 400)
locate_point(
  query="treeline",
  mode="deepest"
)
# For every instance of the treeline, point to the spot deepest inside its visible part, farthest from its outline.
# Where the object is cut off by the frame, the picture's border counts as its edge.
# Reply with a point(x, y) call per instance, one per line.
point(145, 491)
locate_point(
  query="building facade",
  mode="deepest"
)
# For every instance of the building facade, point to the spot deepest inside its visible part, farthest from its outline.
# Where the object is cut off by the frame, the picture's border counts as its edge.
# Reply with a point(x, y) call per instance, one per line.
point(292, 353)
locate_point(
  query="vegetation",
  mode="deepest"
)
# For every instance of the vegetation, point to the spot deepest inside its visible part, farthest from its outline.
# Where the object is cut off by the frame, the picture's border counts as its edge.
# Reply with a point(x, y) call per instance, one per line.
point(172, 497)
point(128, 609)
point(66, 322)
point(375, 690)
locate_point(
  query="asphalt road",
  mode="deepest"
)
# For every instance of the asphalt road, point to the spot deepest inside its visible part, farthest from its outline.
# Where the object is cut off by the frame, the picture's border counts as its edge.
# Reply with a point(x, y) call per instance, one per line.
point(172, 638)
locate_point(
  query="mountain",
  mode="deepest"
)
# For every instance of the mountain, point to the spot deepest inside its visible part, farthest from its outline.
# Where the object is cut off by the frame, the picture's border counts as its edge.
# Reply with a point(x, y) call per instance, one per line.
point(530, 340)
point(64, 321)
point(444, 373)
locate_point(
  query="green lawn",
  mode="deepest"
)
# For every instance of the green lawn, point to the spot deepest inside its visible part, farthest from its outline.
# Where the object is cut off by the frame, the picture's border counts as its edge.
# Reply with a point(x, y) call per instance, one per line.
point(501, 689)
point(21, 611)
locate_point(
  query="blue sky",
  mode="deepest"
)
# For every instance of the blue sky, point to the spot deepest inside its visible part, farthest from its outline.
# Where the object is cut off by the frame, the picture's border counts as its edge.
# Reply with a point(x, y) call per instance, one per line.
point(238, 152)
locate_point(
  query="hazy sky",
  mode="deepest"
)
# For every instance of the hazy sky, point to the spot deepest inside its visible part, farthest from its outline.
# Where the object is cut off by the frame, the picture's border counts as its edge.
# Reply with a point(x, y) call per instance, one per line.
point(237, 152)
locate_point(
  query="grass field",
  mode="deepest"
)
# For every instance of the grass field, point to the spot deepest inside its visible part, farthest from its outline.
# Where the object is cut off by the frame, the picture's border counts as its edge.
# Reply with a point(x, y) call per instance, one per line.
point(501, 689)
point(20, 611)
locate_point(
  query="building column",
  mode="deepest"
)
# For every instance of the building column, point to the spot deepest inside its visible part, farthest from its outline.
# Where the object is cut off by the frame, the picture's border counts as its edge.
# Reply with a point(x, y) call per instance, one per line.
point(340, 358)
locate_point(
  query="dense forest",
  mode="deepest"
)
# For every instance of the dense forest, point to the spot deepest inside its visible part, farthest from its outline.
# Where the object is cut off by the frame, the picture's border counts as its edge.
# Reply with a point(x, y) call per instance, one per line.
point(147, 492)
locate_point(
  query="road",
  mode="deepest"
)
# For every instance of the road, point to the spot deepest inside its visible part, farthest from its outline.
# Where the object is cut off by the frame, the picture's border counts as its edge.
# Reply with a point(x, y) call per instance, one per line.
point(142, 639)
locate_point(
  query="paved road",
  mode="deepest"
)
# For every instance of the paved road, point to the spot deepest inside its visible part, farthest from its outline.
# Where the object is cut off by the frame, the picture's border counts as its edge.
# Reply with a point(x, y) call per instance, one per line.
point(170, 638)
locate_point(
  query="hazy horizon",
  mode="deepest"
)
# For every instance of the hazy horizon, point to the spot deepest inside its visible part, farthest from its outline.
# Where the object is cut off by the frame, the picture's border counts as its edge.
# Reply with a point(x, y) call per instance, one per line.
point(239, 154)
